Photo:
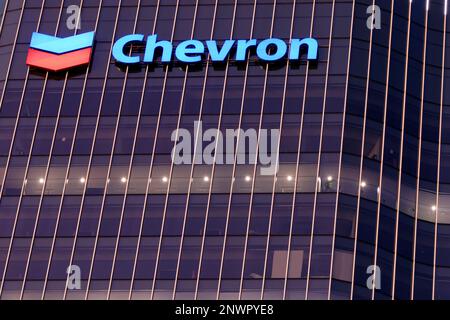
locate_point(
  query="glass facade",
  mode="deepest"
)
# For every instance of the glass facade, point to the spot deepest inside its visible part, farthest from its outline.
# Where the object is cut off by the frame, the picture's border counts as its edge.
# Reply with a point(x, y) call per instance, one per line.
point(362, 192)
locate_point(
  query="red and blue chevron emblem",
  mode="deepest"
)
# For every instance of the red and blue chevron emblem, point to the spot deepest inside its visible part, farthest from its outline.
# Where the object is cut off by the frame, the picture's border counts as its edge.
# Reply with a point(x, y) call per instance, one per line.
point(58, 54)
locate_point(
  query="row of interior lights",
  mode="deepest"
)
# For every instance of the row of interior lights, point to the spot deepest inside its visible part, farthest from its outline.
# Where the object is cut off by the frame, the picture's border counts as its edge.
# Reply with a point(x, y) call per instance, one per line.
point(166, 179)
point(82, 180)
point(206, 179)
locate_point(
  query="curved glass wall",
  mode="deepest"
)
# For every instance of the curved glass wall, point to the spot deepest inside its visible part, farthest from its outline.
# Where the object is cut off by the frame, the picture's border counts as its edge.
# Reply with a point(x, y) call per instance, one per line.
point(87, 179)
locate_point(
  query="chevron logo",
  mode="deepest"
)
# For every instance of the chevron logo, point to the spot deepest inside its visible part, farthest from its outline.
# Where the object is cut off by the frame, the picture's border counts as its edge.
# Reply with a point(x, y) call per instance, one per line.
point(58, 54)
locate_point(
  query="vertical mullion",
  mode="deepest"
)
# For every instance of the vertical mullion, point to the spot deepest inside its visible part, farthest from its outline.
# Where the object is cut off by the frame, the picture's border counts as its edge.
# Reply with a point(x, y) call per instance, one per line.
point(436, 221)
point(93, 144)
point(419, 156)
point(361, 164)
point(405, 89)
point(311, 243)
point(341, 151)
point(296, 180)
